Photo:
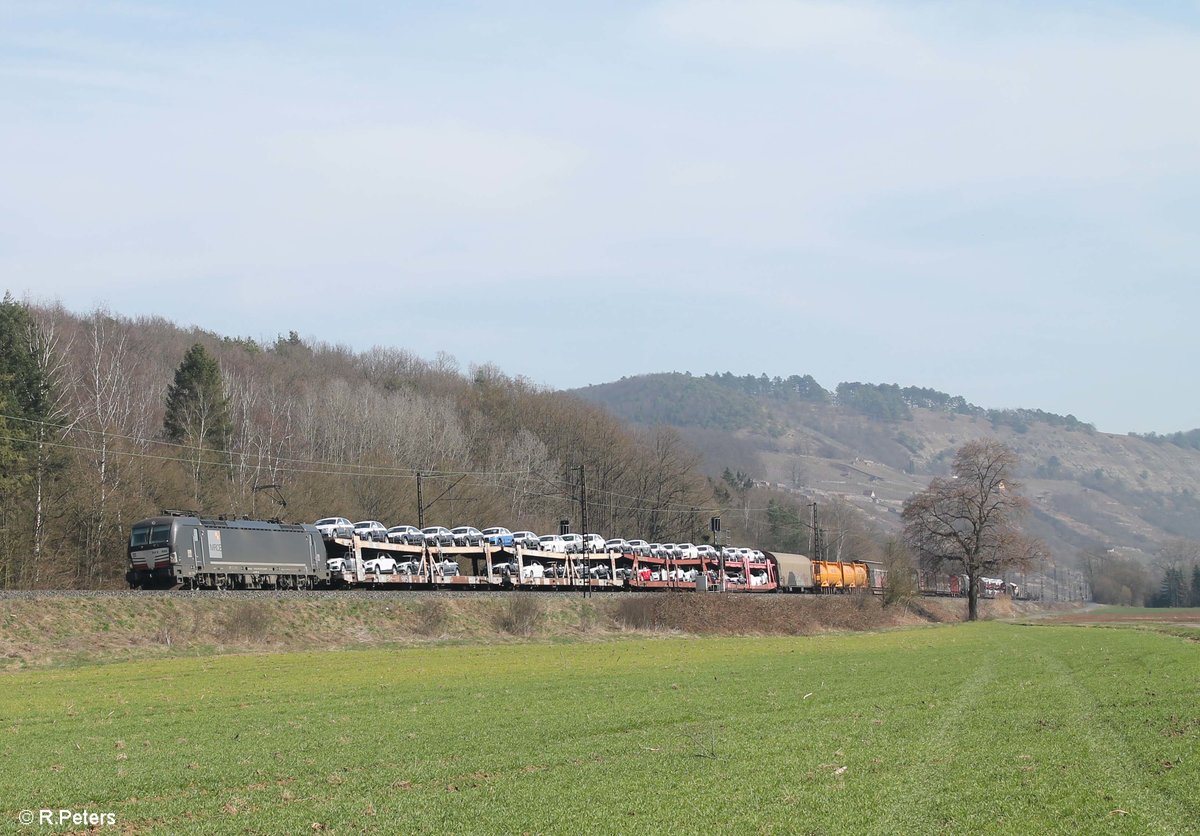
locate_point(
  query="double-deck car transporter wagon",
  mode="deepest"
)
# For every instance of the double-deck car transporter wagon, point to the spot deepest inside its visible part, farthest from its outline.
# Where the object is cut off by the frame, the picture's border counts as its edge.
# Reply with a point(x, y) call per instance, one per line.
point(179, 550)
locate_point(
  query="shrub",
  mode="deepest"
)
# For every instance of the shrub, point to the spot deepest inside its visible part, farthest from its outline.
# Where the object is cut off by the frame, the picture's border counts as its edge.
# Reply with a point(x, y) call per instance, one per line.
point(639, 613)
point(248, 621)
point(432, 617)
point(521, 614)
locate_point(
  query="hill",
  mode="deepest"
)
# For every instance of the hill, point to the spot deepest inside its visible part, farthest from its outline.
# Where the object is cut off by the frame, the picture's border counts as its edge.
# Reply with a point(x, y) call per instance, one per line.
point(873, 445)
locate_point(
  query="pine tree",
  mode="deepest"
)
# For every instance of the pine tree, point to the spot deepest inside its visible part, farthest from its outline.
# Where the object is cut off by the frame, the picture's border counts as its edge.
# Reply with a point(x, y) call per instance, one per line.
point(197, 409)
point(1174, 593)
point(24, 406)
point(198, 415)
point(1195, 602)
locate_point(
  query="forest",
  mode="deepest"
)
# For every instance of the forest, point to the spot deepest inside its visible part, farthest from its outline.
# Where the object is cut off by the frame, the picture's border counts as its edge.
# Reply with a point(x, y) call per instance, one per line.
point(105, 420)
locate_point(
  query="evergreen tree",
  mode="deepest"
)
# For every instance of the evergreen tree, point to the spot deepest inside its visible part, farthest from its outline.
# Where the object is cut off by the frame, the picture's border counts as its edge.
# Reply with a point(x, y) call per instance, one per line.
point(198, 415)
point(197, 409)
point(1174, 592)
point(1195, 602)
point(24, 404)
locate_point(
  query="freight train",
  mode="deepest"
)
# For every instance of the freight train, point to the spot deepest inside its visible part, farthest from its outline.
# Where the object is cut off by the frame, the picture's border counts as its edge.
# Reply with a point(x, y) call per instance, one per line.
point(181, 550)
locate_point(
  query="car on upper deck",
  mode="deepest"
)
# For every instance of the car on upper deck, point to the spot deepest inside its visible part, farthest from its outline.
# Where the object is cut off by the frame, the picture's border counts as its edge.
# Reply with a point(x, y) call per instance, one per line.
point(372, 530)
point(331, 527)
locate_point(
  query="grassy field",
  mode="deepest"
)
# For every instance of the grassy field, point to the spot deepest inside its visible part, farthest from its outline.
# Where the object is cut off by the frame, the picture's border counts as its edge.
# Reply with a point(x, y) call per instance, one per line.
point(965, 728)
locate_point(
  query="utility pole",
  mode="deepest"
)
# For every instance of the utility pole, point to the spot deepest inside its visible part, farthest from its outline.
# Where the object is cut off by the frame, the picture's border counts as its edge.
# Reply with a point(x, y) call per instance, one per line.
point(583, 527)
point(714, 523)
point(420, 504)
point(815, 540)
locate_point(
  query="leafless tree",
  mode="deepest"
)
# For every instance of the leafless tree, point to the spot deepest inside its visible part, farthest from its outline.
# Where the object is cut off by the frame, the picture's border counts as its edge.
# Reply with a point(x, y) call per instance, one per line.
point(970, 520)
point(104, 390)
point(49, 351)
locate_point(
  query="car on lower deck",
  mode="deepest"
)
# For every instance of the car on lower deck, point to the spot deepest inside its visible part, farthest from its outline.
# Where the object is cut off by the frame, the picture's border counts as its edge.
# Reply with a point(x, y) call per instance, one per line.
point(379, 565)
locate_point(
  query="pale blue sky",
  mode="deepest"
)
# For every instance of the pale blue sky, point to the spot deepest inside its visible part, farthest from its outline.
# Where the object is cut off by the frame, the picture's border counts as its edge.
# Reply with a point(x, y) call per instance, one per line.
point(997, 200)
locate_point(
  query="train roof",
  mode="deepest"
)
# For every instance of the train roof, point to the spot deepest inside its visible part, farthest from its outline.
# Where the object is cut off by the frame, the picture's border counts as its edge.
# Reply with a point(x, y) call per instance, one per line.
point(786, 561)
point(219, 522)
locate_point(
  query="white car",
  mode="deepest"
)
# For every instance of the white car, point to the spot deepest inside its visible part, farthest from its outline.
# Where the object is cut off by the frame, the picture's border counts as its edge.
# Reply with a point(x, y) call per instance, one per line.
point(706, 552)
point(371, 530)
point(686, 551)
point(337, 565)
point(638, 547)
point(594, 543)
point(552, 543)
point(533, 570)
point(574, 542)
point(617, 546)
point(331, 527)
point(381, 565)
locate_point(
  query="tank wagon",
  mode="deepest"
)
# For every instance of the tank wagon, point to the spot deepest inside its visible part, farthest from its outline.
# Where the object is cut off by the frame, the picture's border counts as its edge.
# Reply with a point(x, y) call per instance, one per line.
point(192, 552)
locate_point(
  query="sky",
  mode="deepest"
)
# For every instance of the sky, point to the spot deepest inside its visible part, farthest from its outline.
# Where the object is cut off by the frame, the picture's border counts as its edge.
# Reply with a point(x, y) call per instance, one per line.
point(993, 199)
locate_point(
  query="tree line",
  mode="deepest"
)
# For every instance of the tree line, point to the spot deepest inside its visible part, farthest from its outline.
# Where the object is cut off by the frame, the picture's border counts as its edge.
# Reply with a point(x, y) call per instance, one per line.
point(105, 420)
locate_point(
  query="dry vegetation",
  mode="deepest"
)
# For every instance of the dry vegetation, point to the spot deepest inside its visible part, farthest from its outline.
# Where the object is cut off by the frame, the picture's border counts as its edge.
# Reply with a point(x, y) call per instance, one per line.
point(68, 629)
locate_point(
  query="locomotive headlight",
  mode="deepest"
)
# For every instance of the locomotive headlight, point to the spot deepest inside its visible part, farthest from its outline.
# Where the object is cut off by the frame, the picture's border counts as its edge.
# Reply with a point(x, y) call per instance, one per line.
point(174, 558)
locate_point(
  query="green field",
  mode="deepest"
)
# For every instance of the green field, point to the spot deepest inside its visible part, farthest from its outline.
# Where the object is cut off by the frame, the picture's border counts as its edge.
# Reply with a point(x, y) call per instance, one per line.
point(968, 728)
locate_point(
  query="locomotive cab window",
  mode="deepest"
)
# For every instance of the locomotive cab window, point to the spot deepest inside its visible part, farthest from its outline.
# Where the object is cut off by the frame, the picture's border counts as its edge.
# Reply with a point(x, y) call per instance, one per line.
point(150, 536)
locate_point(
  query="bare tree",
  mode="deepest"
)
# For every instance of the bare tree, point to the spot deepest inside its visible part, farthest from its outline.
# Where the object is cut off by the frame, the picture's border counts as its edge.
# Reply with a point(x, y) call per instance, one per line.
point(970, 520)
point(49, 353)
point(845, 532)
point(105, 408)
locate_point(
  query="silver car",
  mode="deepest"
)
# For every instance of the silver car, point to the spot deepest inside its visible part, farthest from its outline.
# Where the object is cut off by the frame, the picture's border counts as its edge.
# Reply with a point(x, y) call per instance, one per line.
point(371, 530)
point(526, 539)
point(407, 535)
point(437, 535)
point(331, 527)
point(467, 535)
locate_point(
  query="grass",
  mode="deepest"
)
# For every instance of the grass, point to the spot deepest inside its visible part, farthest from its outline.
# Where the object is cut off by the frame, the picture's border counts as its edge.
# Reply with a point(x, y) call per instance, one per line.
point(73, 630)
point(967, 728)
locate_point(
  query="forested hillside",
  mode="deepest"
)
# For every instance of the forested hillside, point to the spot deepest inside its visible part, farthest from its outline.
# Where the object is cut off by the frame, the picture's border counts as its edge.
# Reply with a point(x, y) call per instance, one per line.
point(866, 447)
point(88, 443)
